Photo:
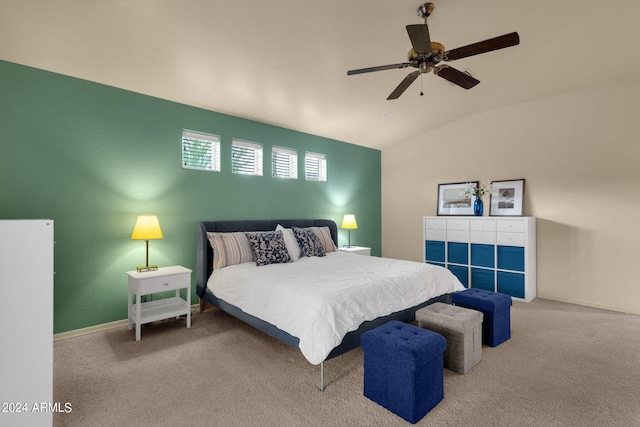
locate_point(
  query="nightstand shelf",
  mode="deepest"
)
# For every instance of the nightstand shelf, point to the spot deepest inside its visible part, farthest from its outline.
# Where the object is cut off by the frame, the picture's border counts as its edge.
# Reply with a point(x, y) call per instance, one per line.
point(164, 279)
point(160, 309)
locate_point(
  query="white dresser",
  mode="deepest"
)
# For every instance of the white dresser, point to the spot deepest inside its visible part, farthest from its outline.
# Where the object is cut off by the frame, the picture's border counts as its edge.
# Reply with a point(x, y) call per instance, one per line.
point(492, 253)
point(26, 319)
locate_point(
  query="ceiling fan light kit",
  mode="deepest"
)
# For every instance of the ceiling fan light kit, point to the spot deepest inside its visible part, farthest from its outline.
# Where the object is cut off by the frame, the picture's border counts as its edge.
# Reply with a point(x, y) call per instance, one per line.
point(425, 55)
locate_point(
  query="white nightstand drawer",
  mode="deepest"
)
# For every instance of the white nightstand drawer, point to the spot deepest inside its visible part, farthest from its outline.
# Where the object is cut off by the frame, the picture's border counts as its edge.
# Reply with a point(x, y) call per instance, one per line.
point(510, 239)
point(457, 224)
point(161, 284)
point(486, 237)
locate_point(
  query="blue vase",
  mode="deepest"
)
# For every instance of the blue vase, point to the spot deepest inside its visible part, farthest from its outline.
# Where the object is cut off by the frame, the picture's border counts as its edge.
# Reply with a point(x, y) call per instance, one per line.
point(478, 206)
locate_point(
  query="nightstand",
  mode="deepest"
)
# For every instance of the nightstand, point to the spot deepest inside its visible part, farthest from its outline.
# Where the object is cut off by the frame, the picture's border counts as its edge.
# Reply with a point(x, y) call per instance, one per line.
point(150, 282)
point(360, 250)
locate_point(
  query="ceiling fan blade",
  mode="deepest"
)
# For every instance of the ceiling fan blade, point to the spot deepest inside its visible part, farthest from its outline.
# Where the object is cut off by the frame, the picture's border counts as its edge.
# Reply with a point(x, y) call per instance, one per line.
point(489, 45)
point(420, 40)
point(404, 84)
point(378, 68)
point(455, 76)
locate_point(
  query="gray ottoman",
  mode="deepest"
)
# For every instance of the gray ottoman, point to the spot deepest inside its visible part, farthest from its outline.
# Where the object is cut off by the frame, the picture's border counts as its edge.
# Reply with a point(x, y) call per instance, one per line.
point(462, 328)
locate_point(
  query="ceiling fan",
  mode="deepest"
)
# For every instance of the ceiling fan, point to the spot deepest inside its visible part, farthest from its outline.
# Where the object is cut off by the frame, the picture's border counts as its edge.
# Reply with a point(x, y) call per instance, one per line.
point(425, 55)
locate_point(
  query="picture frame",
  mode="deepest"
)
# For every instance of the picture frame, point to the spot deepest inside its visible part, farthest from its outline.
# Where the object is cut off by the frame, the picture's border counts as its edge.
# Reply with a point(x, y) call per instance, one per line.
point(507, 198)
point(453, 198)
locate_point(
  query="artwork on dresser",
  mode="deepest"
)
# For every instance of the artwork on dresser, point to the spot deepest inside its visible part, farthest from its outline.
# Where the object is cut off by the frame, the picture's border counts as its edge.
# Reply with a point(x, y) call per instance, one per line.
point(506, 198)
point(453, 199)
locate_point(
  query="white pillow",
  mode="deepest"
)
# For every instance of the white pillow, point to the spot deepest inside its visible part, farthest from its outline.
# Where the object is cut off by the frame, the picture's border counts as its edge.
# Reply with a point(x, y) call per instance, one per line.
point(290, 242)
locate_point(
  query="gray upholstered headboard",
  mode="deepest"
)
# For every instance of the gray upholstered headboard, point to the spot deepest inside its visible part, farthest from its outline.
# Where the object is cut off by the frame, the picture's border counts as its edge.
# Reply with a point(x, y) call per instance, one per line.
point(204, 255)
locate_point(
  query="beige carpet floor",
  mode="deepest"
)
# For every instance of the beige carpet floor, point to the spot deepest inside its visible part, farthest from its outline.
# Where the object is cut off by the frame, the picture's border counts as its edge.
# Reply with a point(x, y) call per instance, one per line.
point(565, 365)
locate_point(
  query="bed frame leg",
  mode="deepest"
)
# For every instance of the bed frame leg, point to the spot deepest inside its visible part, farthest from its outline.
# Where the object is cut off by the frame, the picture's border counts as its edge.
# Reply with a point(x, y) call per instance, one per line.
point(321, 376)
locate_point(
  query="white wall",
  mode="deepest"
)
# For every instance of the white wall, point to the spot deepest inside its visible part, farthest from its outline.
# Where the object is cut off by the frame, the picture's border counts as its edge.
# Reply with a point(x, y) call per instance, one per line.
point(579, 155)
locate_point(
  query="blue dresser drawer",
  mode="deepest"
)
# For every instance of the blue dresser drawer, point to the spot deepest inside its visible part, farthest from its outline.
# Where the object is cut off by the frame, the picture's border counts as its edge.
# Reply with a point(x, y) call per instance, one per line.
point(483, 279)
point(458, 253)
point(434, 250)
point(511, 284)
point(482, 255)
point(511, 258)
point(462, 273)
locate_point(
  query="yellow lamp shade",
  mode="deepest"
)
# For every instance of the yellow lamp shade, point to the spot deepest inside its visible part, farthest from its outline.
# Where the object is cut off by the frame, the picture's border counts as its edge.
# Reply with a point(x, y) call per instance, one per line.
point(147, 227)
point(349, 222)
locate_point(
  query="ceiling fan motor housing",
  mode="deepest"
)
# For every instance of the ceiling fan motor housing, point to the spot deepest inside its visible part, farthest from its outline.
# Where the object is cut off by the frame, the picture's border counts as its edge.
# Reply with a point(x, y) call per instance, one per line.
point(432, 57)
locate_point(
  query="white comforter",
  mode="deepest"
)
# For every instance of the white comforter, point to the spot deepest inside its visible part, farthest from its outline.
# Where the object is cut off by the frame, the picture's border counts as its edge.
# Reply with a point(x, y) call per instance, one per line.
point(319, 300)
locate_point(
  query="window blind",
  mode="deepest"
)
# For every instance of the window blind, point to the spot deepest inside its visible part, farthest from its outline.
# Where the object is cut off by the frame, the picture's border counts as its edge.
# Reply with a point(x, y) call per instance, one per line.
point(246, 157)
point(315, 167)
point(284, 163)
point(200, 151)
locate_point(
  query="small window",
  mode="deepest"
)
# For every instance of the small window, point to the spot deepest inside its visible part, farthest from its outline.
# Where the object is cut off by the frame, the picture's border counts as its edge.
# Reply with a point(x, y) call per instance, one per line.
point(315, 167)
point(284, 163)
point(246, 158)
point(200, 151)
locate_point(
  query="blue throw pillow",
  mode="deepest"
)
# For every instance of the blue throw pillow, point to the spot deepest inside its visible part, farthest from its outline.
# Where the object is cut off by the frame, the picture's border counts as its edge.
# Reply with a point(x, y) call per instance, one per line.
point(310, 244)
point(268, 247)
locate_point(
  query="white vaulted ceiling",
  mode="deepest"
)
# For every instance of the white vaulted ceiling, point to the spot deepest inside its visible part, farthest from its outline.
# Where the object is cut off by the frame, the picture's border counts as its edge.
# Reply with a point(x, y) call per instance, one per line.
point(284, 62)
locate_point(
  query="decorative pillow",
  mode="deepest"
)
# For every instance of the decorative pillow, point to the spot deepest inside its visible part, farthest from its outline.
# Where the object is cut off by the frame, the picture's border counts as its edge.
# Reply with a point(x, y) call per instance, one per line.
point(290, 242)
point(230, 249)
point(268, 247)
point(324, 234)
point(309, 243)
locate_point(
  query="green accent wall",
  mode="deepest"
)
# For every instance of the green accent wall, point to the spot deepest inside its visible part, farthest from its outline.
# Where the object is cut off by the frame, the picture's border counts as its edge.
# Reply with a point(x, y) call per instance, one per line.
point(93, 157)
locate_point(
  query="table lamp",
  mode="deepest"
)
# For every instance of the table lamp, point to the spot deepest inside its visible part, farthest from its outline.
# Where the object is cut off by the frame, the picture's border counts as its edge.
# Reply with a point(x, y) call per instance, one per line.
point(147, 228)
point(349, 222)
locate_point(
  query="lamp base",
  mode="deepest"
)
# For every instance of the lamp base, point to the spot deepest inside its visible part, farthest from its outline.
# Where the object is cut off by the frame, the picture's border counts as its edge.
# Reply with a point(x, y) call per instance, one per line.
point(143, 268)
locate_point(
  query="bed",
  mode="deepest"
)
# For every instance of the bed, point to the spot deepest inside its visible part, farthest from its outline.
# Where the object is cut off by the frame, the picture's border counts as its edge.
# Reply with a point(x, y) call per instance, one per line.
point(227, 290)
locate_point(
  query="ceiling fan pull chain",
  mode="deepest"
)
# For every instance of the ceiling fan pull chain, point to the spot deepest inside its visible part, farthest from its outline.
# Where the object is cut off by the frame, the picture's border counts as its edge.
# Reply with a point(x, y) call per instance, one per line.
point(421, 93)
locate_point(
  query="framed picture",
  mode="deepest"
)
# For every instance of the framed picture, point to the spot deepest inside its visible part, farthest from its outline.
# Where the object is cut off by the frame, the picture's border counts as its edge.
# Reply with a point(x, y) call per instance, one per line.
point(454, 200)
point(506, 198)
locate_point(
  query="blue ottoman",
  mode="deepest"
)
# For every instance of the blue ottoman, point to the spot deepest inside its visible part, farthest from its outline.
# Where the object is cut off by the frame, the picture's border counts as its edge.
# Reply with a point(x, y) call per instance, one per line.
point(403, 368)
point(496, 308)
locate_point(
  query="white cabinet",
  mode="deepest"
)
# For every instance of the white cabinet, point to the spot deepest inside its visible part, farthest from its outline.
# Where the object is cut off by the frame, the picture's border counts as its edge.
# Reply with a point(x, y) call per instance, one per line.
point(26, 322)
point(496, 254)
point(150, 282)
